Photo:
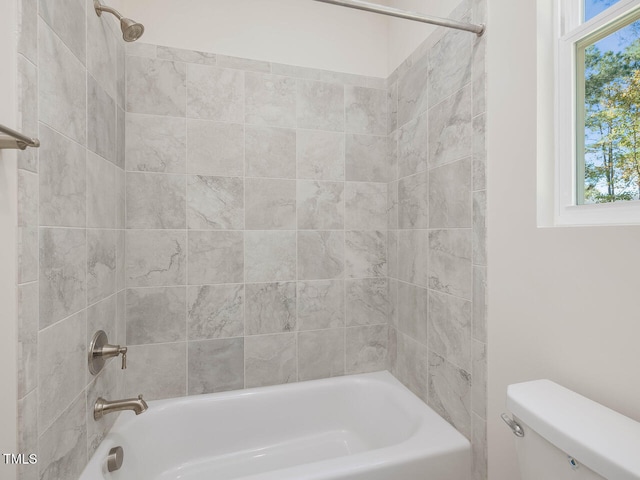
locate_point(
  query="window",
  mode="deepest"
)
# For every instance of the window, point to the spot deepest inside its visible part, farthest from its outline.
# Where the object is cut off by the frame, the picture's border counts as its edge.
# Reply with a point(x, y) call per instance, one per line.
point(598, 112)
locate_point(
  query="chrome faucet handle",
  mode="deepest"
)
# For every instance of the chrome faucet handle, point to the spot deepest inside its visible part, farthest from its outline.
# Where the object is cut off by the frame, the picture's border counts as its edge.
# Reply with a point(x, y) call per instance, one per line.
point(100, 350)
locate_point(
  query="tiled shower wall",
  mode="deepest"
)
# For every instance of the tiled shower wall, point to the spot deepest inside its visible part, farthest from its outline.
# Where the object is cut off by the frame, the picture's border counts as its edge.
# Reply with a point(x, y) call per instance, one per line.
point(71, 235)
point(437, 251)
point(256, 216)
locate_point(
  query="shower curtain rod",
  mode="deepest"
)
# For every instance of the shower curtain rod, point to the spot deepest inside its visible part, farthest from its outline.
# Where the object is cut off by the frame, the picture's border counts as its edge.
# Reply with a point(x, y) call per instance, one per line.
point(417, 17)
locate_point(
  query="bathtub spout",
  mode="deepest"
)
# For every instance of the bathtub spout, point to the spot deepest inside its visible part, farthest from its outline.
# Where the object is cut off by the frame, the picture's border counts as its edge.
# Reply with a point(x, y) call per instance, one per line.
point(102, 406)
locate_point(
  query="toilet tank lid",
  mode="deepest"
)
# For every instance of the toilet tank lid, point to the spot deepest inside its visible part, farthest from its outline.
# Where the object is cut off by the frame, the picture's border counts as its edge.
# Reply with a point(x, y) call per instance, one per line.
point(604, 440)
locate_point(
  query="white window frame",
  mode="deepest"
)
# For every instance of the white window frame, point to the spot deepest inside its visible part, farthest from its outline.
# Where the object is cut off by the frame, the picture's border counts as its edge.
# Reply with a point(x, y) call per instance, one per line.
point(570, 31)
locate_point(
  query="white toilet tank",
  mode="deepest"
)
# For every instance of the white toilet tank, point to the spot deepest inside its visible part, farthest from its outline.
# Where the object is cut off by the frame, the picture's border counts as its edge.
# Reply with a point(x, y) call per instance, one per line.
point(569, 437)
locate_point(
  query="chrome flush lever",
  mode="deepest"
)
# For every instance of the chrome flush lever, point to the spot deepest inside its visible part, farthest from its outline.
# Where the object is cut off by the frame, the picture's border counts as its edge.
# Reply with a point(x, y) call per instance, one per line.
point(100, 350)
point(513, 425)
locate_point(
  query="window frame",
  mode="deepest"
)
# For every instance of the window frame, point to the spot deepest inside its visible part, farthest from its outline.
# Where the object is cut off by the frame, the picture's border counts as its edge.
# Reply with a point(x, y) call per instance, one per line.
point(570, 31)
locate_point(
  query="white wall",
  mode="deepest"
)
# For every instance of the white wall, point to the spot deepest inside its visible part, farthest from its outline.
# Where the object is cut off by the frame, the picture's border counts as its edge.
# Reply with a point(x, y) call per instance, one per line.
point(296, 32)
point(563, 302)
point(405, 36)
point(8, 222)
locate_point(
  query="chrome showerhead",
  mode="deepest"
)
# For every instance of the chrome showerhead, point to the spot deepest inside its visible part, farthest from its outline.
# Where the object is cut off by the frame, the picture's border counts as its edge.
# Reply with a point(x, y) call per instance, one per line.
point(131, 30)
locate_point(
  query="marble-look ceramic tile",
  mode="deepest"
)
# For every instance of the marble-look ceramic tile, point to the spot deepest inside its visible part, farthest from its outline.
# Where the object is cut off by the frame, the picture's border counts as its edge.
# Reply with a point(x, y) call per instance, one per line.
point(450, 262)
point(320, 155)
point(392, 206)
point(67, 19)
point(102, 316)
point(478, 76)
point(412, 91)
point(394, 307)
point(450, 329)
point(367, 301)
point(62, 451)
point(270, 100)
point(450, 393)
point(270, 360)
point(27, 338)
point(321, 304)
point(479, 153)
point(27, 198)
point(120, 261)
point(156, 200)
point(247, 64)
point(270, 308)
point(479, 228)
point(215, 148)
point(320, 255)
point(320, 106)
point(101, 264)
point(321, 354)
point(156, 315)
point(104, 385)
point(215, 203)
point(392, 351)
point(27, 254)
point(63, 263)
point(215, 93)
point(413, 201)
point(121, 132)
point(365, 206)
point(157, 371)
point(270, 204)
point(270, 256)
point(155, 258)
point(27, 422)
point(413, 365)
point(413, 311)
point(187, 56)
point(365, 254)
point(480, 303)
point(479, 384)
point(450, 129)
point(27, 121)
point(216, 365)
point(392, 155)
point(62, 180)
point(157, 87)
point(270, 152)
point(101, 192)
point(450, 195)
point(62, 88)
point(392, 254)
point(413, 146)
point(479, 454)
point(102, 47)
point(449, 65)
point(392, 107)
point(61, 367)
point(413, 256)
point(366, 158)
point(140, 49)
point(320, 205)
point(366, 349)
point(121, 66)
point(121, 198)
point(28, 29)
point(156, 144)
point(215, 257)
point(365, 110)
point(215, 311)
point(121, 318)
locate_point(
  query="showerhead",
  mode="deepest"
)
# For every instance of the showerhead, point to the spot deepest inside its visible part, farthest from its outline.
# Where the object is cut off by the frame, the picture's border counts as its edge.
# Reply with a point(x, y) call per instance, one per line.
point(131, 30)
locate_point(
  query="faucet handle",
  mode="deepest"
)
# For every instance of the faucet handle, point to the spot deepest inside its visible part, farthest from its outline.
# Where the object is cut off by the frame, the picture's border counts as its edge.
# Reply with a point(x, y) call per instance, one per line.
point(123, 351)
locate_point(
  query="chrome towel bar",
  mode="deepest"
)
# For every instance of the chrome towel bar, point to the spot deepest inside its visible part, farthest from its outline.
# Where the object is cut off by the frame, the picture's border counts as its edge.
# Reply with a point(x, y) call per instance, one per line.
point(16, 140)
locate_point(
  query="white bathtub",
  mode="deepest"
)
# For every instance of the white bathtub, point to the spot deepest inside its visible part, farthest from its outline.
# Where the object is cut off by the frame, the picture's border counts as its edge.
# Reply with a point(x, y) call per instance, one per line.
point(364, 427)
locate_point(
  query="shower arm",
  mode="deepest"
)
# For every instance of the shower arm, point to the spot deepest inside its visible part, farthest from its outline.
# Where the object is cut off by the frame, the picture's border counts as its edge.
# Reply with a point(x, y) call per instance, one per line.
point(104, 8)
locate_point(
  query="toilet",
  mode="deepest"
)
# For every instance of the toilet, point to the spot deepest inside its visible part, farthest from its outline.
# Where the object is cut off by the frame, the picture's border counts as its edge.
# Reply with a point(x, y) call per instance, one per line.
point(565, 436)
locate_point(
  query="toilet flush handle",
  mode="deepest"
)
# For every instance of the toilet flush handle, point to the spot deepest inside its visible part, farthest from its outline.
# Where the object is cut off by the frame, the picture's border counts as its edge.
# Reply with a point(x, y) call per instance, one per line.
point(513, 425)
